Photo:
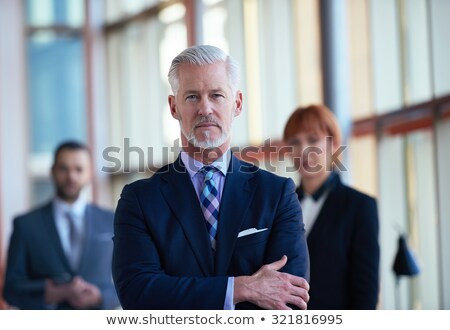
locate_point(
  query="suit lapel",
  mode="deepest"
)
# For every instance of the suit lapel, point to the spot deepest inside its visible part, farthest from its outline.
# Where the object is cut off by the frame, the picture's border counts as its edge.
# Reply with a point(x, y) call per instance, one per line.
point(52, 232)
point(180, 194)
point(236, 199)
point(328, 213)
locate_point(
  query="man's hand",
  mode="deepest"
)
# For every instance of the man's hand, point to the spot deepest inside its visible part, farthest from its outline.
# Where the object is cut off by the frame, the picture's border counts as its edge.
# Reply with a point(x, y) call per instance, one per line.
point(270, 289)
point(83, 295)
point(55, 293)
point(79, 293)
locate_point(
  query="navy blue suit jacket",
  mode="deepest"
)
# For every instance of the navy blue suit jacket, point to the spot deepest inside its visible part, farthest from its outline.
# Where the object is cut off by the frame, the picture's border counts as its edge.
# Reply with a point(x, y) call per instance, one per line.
point(344, 251)
point(35, 253)
point(162, 253)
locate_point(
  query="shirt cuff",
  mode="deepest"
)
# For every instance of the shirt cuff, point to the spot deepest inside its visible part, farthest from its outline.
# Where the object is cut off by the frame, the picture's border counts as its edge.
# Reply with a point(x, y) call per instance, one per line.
point(229, 296)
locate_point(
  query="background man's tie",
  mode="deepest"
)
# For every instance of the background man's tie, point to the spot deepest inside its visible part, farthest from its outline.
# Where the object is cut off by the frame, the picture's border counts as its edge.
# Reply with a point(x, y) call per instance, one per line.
point(75, 239)
point(210, 203)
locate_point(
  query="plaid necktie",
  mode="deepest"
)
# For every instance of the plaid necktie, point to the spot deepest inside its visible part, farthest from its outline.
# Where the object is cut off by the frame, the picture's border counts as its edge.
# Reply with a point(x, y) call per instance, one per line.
point(210, 203)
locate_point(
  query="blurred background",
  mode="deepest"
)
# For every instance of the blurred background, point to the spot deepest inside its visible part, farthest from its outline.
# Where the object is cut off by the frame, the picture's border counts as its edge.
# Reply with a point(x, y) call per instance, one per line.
point(95, 70)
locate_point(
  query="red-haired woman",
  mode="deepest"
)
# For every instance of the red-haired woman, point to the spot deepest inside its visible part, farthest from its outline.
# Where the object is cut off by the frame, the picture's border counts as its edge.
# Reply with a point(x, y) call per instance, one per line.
point(341, 222)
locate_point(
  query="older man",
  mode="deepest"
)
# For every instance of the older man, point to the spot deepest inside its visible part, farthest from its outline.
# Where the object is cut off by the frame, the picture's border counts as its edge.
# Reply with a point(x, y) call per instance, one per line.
point(209, 231)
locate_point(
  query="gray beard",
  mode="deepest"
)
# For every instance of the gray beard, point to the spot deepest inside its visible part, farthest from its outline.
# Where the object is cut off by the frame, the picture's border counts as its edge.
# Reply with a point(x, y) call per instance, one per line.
point(207, 143)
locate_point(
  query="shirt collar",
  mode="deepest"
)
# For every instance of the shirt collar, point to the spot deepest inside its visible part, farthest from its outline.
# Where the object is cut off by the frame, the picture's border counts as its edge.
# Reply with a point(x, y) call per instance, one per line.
point(329, 183)
point(193, 166)
point(77, 208)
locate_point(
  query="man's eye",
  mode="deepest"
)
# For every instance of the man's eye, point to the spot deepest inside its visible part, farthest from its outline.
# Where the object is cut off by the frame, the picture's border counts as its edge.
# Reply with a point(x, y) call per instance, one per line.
point(216, 95)
point(192, 97)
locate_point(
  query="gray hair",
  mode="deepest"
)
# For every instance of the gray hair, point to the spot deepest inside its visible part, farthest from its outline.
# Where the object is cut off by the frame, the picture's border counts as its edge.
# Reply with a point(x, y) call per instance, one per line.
point(203, 55)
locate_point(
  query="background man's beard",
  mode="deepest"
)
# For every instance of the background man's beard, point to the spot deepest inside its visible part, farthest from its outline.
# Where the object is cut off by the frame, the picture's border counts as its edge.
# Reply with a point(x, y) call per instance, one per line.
point(67, 196)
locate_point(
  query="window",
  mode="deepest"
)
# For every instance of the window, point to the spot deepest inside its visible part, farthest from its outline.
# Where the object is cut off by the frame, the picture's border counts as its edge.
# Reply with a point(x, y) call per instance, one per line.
point(56, 82)
point(139, 52)
point(400, 92)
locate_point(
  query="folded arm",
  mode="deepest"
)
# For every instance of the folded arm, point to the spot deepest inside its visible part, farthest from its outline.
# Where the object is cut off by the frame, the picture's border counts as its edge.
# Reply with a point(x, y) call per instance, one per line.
point(282, 282)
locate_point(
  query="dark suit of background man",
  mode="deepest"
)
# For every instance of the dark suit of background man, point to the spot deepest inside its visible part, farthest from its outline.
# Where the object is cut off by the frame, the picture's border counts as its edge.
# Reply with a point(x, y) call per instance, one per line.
point(165, 254)
point(60, 254)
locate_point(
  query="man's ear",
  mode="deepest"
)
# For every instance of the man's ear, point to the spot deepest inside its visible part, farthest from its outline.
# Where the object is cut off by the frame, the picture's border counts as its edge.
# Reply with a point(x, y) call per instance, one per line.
point(238, 104)
point(173, 107)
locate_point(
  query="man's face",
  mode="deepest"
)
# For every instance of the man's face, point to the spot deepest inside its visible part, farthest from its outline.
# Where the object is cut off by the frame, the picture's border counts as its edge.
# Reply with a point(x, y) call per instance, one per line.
point(205, 105)
point(71, 173)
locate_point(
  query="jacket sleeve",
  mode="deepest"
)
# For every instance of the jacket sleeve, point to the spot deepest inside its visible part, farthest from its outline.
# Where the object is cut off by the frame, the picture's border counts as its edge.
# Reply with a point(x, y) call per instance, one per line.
point(365, 256)
point(288, 234)
point(287, 237)
point(20, 290)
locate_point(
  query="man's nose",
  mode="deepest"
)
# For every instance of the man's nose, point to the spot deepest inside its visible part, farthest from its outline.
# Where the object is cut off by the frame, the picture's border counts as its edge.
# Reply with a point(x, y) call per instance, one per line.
point(205, 108)
point(73, 175)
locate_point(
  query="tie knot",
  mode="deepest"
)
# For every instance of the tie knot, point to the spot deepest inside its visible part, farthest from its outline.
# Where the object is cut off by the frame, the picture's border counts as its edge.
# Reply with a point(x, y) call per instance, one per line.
point(69, 215)
point(208, 171)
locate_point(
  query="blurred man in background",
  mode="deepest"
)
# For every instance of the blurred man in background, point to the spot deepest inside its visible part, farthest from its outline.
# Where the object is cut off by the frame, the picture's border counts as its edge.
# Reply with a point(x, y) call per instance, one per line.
point(59, 255)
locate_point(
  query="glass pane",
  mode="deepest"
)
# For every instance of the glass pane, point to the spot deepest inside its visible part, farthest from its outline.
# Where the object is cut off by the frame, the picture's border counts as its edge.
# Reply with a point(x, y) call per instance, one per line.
point(423, 218)
point(133, 6)
point(112, 10)
point(441, 46)
point(363, 164)
point(139, 88)
point(75, 12)
point(393, 215)
point(56, 90)
point(172, 13)
point(278, 79)
point(129, 98)
point(173, 41)
point(117, 9)
point(386, 55)
point(211, 2)
point(418, 62)
point(308, 57)
point(135, 61)
point(408, 206)
point(443, 159)
point(115, 82)
point(55, 12)
point(214, 23)
point(42, 191)
point(270, 59)
point(40, 12)
point(361, 93)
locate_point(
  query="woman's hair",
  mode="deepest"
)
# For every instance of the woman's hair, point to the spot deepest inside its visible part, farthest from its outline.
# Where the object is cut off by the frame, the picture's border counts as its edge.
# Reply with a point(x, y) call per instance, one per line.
point(314, 118)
